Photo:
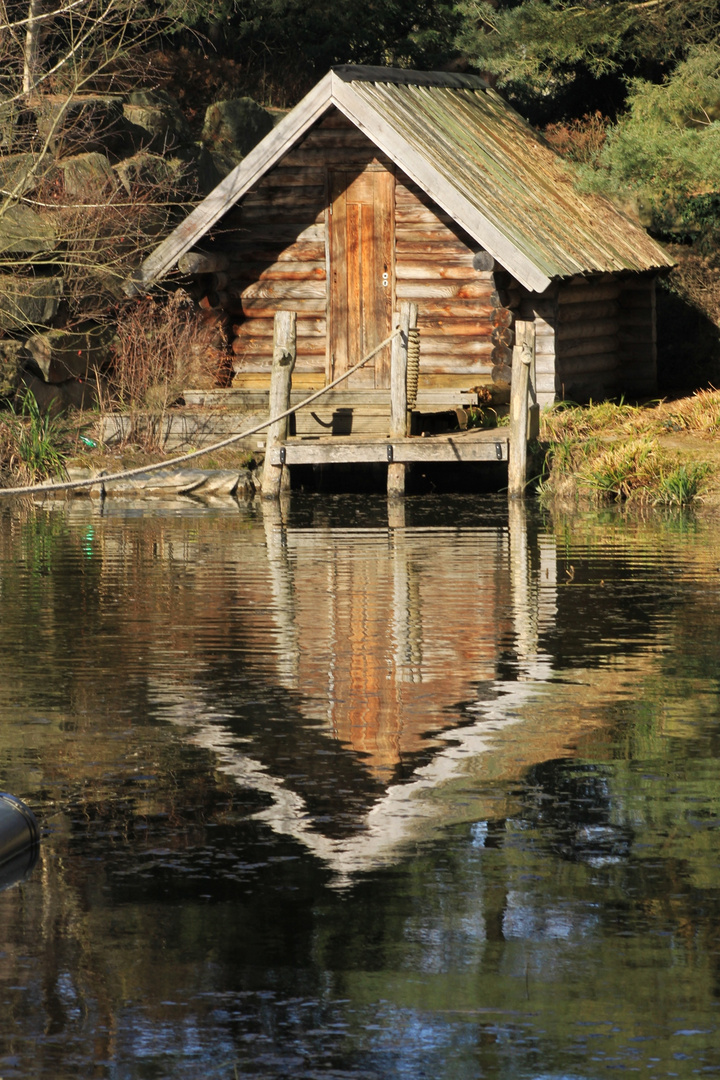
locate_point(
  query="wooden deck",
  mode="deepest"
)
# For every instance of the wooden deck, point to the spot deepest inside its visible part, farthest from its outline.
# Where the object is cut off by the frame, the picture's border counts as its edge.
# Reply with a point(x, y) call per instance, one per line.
point(459, 447)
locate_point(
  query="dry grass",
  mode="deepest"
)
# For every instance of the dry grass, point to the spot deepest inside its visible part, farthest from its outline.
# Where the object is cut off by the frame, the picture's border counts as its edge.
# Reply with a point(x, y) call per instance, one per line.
point(614, 452)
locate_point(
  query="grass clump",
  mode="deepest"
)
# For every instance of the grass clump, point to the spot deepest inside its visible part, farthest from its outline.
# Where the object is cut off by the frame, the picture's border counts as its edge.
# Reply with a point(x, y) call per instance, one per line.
point(612, 451)
point(33, 445)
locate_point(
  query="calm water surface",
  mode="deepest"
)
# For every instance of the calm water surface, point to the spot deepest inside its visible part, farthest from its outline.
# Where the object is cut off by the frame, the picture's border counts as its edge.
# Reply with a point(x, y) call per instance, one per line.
point(330, 794)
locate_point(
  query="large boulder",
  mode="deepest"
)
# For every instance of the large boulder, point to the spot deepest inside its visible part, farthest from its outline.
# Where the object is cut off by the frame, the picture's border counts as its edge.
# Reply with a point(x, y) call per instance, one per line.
point(83, 124)
point(158, 118)
point(16, 173)
point(62, 354)
point(87, 175)
point(24, 232)
point(233, 127)
point(28, 301)
point(13, 357)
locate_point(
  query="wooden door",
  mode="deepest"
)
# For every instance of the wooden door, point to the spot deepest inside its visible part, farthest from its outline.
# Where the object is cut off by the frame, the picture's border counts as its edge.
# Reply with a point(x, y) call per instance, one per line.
point(361, 241)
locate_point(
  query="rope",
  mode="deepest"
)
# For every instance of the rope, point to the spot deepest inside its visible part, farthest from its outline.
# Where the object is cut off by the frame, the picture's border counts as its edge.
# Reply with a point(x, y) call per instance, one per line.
point(413, 366)
point(69, 485)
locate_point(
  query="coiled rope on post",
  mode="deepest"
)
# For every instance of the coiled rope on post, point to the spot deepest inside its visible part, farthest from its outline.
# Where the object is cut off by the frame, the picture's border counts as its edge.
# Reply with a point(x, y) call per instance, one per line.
point(141, 470)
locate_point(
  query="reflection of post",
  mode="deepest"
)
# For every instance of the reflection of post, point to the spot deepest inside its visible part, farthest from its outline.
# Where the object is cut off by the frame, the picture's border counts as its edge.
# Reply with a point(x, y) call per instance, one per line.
point(283, 592)
point(524, 602)
point(407, 625)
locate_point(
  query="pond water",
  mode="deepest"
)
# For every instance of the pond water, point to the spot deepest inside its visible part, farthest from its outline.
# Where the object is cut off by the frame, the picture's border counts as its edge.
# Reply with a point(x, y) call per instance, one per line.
point(331, 791)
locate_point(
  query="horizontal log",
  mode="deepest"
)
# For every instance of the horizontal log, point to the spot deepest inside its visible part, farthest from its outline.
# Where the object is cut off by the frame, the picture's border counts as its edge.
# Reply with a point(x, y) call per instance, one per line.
point(282, 177)
point(423, 290)
point(420, 215)
point(200, 262)
point(581, 365)
point(265, 328)
point(255, 216)
point(644, 316)
point(256, 346)
point(531, 310)
point(456, 327)
point(307, 195)
point(261, 309)
point(587, 348)
point(281, 290)
point(336, 157)
point(431, 271)
point(578, 313)
point(583, 294)
point(471, 370)
point(604, 328)
point(279, 271)
point(284, 233)
point(323, 137)
point(641, 284)
point(435, 232)
point(451, 345)
point(455, 308)
point(637, 301)
point(258, 364)
point(305, 251)
point(440, 249)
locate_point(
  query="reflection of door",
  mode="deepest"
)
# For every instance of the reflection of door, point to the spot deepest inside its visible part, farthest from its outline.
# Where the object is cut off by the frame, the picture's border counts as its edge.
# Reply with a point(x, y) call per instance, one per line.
point(361, 272)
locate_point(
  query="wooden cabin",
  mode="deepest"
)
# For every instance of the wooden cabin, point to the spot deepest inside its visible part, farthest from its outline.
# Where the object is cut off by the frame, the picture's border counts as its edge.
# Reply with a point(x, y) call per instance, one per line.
point(385, 185)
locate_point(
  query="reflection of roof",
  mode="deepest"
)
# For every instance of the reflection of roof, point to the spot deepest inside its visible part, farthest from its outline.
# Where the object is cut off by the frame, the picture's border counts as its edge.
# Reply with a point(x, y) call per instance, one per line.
point(472, 154)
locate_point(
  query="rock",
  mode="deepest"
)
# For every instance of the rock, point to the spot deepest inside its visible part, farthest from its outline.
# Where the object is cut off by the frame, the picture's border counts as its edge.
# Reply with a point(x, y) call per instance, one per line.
point(23, 232)
point(234, 127)
point(61, 354)
point(196, 169)
point(49, 398)
point(88, 174)
point(84, 124)
point(15, 172)
point(159, 119)
point(12, 361)
point(30, 301)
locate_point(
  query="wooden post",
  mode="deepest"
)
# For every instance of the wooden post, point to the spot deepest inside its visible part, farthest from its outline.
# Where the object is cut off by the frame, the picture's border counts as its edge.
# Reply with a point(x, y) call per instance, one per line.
point(276, 478)
point(523, 360)
point(398, 395)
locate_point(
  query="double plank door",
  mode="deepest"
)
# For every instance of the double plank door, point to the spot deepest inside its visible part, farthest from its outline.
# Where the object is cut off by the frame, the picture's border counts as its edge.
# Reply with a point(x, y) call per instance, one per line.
point(361, 246)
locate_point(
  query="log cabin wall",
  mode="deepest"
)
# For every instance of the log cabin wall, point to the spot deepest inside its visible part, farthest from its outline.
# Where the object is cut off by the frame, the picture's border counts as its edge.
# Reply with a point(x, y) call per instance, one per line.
point(638, 335)
point(279, 244)
point(465, 326)
point(595, 337)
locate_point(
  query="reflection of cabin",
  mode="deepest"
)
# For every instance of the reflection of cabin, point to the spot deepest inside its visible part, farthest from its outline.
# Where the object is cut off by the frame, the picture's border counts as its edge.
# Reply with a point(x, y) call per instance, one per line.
point(385, 185)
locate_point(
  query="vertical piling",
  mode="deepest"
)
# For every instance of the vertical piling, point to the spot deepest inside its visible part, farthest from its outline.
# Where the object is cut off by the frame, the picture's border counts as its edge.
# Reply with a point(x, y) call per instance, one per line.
point(523, 362)
point(276, 478)
point(399, 395)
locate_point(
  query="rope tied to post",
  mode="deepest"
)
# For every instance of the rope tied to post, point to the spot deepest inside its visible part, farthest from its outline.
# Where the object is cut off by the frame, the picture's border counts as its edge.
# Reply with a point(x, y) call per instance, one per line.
point(127, 474)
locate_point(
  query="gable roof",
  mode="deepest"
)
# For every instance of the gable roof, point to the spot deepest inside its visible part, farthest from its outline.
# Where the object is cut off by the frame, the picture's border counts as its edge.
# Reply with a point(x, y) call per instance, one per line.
point(477, 158)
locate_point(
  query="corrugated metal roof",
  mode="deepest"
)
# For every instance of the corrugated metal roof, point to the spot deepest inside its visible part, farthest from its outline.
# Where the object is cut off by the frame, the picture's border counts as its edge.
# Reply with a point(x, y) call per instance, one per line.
point(471, 153)
point(495, 160)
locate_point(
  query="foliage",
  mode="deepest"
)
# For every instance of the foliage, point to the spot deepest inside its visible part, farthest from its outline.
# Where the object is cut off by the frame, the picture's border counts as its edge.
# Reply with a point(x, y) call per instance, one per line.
point(558, 55)
point(32, 444)
point(667, 146)
point(613, 451)
point(284, 46)
point(160, 348)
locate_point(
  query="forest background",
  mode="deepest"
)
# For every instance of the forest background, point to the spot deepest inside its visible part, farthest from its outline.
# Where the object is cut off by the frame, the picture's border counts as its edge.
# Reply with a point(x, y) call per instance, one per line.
point(629, 91)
